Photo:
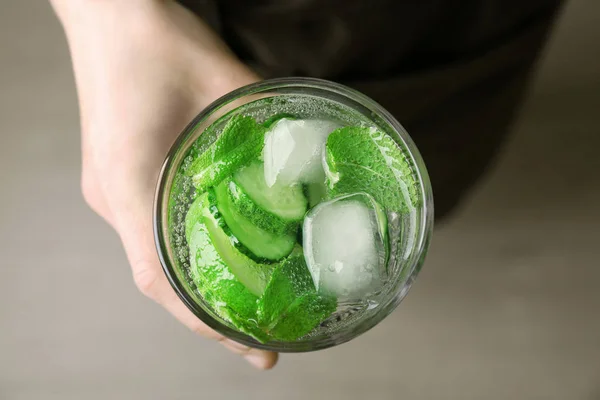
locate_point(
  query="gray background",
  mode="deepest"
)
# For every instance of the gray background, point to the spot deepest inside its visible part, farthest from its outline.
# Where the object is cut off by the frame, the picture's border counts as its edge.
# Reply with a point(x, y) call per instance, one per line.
point(507, 306)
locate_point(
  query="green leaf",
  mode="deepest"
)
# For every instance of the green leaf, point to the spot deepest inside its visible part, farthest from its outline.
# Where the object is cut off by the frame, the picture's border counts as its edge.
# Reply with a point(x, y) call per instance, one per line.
point(291, 307)
point(361, 159)
point(242, 140)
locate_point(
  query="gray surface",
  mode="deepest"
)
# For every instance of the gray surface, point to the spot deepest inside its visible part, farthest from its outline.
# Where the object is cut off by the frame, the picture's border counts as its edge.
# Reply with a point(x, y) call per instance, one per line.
point(506, 307)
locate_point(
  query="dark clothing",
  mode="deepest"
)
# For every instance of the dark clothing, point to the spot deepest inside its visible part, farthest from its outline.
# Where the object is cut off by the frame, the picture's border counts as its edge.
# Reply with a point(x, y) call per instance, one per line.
point(452, 72)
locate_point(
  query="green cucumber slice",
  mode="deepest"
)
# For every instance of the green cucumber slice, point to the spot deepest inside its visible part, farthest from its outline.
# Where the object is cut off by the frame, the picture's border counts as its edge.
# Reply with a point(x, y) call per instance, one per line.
point(220, 288)
point(258, 216)
point(219, 254)
point(261, 243)
point(227, 296)
point(286, 202)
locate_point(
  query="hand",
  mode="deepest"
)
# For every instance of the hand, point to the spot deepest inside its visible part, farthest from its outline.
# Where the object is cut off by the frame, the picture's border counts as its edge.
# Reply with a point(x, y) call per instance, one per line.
point(143, 70)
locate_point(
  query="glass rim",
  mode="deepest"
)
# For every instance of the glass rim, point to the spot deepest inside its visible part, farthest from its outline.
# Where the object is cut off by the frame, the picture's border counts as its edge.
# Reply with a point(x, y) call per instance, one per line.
point(425, 225)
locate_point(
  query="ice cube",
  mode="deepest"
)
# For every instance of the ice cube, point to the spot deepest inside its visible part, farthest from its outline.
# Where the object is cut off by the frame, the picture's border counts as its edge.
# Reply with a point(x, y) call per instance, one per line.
point(344, 246)
point(292, 151)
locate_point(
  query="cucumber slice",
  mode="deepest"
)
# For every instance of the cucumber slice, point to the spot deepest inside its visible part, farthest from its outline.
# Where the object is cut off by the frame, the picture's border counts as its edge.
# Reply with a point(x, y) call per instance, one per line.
point(286, 202)
point(219, 287)
point(218, 255)
point(227, 296)
point(258, 216)
point(261, 243)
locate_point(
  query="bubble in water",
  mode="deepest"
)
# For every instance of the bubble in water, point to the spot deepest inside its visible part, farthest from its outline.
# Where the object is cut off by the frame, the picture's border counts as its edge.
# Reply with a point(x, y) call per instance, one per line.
point(178, 240)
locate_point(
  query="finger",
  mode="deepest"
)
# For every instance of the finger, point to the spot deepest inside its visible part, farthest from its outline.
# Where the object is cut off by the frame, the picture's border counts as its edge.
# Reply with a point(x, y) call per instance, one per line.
point(258, 358)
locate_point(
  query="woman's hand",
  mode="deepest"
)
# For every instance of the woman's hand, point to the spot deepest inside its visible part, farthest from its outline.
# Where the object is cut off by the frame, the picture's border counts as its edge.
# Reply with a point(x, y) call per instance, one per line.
point(144, 69)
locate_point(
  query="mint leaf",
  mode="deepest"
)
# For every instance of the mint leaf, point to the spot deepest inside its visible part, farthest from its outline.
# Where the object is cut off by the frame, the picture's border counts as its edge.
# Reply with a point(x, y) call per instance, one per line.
point(242, 139)
point(363, 159)
point(290, 306)
point(303, 315)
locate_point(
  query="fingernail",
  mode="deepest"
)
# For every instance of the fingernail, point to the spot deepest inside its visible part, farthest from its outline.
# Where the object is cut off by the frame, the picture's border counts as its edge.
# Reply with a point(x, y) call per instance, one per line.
point(256, 360)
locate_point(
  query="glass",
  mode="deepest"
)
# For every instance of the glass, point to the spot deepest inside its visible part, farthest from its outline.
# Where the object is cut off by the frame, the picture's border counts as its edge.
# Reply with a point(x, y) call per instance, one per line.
point(350, 320)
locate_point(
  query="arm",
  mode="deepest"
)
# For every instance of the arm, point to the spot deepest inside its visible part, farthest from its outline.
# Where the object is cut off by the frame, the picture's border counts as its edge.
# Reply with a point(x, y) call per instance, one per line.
point(143, 69)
